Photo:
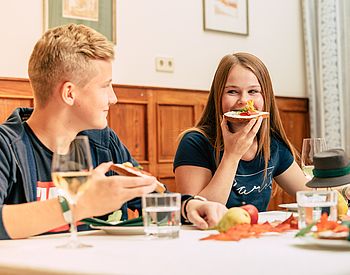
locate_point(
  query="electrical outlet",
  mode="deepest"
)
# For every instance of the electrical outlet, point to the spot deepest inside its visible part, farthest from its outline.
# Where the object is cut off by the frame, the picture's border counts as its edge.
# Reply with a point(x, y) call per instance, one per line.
point(165, 64)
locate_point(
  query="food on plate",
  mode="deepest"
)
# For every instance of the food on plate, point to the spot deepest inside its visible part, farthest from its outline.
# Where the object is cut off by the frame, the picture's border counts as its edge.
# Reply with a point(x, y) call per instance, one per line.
point(253, 213)
point(330, 235)
point(331, 229)
point(233, 216)
point(326, 229)
point(115, 217)
point(246, 113)
point(127, 169)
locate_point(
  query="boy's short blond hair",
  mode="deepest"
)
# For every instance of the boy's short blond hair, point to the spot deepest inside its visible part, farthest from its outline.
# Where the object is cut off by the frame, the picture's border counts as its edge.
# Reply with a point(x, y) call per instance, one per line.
point(64, 54)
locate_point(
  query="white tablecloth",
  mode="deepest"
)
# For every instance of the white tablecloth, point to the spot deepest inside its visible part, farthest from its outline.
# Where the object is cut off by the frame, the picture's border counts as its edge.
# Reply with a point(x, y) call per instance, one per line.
point(112, 254)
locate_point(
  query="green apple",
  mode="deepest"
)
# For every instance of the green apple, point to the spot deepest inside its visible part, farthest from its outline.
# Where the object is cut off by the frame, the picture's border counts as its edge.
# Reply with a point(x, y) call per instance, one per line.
point(233, 216)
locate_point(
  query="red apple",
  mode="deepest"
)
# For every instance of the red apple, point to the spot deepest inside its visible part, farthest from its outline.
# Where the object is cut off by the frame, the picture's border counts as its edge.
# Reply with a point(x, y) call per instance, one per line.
point(253, 212)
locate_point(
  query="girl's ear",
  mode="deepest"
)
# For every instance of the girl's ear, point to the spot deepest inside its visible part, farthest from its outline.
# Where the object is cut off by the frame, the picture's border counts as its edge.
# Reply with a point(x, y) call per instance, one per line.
point(68, 93)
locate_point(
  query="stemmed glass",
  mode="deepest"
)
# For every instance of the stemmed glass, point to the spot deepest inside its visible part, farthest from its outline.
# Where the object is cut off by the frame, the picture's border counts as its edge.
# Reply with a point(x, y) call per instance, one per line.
point(71, 170)
point(311, 146)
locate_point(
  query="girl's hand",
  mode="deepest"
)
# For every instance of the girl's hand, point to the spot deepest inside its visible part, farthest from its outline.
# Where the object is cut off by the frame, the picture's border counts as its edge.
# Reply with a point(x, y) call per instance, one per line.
point(238, 138)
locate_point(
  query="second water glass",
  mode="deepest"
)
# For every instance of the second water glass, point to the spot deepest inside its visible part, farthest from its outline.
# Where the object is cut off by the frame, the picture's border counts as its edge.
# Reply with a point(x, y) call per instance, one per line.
point(162, 215)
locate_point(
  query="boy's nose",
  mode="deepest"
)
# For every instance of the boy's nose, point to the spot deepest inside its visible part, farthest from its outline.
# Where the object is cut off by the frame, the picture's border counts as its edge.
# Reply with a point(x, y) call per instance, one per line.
point(112, 97)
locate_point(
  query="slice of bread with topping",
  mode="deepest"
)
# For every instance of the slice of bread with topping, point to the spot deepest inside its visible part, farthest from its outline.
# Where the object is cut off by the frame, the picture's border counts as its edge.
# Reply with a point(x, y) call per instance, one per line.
point(247, 113)
point(237, 115)
point(127, 169)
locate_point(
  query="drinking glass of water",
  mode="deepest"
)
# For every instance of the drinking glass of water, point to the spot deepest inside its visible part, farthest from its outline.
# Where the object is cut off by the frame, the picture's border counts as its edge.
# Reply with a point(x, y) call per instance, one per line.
point(71, 170)
point(310, 147)
point(312, 204)
point(161, 215)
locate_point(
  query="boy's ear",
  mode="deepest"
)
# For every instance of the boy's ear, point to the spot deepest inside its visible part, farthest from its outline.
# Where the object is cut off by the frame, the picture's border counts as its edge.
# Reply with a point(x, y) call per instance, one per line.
point(68, 92)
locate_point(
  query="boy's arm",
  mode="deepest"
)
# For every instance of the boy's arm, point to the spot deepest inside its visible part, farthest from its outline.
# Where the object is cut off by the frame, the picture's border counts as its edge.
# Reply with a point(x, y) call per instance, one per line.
point(29, 219)
point(104, 195)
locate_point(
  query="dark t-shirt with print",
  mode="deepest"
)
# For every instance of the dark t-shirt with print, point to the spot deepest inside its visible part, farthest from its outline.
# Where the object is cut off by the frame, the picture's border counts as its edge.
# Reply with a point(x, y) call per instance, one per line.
point(43, 159)
point(250, 185)
point(42, 156)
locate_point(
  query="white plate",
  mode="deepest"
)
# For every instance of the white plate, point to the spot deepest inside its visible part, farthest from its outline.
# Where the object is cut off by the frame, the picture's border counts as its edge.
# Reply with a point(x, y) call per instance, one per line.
point(121, 230)
point(344, 244)
point(289, 206)
point(273, 216)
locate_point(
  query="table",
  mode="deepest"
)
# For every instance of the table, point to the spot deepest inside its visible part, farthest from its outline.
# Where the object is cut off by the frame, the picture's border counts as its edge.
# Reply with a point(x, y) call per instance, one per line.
point(112, 254)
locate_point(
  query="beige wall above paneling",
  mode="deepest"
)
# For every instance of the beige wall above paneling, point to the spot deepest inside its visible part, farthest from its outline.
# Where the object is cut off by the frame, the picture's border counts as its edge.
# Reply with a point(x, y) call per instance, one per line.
point(147, 29)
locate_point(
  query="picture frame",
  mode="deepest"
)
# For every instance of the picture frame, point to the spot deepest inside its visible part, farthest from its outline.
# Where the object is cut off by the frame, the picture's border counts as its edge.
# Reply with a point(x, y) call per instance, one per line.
point(99, 15)
point(230, 16)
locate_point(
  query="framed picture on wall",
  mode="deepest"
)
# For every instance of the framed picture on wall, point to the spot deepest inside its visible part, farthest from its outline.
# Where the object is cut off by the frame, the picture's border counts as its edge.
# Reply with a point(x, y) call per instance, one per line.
point(99, 15)
point(226, 16)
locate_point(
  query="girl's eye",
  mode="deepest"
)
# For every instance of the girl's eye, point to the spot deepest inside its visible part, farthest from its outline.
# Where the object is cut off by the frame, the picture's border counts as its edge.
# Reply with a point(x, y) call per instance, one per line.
point(232, 92)
point(254, 92)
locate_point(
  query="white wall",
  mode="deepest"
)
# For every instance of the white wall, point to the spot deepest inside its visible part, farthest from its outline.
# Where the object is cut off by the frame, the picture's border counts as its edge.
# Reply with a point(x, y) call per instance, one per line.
point(146, 29)
point(20, 27)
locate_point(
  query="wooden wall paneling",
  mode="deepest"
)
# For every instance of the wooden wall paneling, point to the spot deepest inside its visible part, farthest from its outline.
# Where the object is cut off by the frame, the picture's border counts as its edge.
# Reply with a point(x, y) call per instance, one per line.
point(14, 93)
point(129, 119)
point(172, 120)
point(149, 119)
point(15, 88)
point(177, 111)
point(152, 133)
point(133, 130)
point(295, 118)
point(7, 105)
point(166, 175)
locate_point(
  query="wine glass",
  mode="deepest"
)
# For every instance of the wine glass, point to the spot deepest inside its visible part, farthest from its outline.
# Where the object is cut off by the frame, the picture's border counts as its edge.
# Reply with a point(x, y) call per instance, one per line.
point(71, 170)
point(311, 146)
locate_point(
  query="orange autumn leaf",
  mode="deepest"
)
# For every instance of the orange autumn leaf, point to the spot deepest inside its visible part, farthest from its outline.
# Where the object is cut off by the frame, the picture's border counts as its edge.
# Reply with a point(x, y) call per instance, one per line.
point(221, 237)
point(292, 221)
point(324, 224)
point(244, 231)
point(282, 227)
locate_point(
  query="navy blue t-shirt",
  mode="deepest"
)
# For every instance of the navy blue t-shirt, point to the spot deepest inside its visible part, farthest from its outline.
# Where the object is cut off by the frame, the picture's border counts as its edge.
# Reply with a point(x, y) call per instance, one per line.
point(249, 185)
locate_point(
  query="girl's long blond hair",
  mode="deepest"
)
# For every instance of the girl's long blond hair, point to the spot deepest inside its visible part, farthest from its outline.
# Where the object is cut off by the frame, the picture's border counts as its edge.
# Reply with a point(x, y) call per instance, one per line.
point(209, 123)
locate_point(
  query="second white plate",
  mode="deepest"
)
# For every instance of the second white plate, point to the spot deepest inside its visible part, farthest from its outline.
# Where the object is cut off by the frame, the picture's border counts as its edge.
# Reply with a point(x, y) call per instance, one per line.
point(343, 244)
point(273, 216)
point(121, 230)
point(289, 206)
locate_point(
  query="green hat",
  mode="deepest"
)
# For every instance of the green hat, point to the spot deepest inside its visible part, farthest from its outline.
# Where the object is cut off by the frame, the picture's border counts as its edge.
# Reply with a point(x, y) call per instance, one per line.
point(332, 168)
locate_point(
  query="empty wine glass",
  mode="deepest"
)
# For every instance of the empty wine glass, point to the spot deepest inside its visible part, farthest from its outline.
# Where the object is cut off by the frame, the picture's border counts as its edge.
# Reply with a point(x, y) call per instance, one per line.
point(311, 146)
point(71, 170)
